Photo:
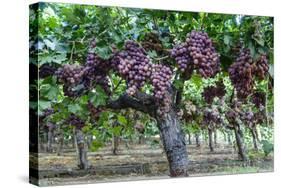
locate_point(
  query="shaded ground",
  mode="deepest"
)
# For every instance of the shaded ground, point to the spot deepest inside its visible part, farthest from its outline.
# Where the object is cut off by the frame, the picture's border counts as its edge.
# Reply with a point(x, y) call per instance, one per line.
point(142, 162)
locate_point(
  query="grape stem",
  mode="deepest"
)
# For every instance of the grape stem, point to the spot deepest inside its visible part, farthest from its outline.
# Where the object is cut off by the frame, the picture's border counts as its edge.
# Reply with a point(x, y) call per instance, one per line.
point(161, 58)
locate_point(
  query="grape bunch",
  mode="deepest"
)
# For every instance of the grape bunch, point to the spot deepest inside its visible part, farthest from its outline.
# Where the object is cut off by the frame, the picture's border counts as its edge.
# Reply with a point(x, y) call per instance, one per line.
point(96, 70)
point(47, 112)
point(94, 111)
point(231, 116)
point(258, 98)
point(211, 118)
point(160, 78)
point(47, 69)
point(161, 81)
point(152, 42)
point(70, 76)
point(248, 116)
point(181, 54)
point(241, 75)
point(75, 121)
point(260, 67)
point(133, 65)
point(234, 112)
point(164, 105)
point(211, 92)
point(189, 110)
point(197, 52)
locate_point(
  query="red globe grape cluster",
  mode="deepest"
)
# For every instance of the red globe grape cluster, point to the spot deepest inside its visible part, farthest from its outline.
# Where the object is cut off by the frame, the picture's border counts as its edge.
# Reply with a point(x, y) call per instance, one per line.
point(47, 69)
point(133, 65)
point(75, 121)
point(197, 52)
point(94, 111)
point(258, 98)
point(96, 70)
point(70, 76)
point(211, 92)
point(161, 81)
point(211, 118)
point(160, 78)
point(241, 75)
point(260, 68)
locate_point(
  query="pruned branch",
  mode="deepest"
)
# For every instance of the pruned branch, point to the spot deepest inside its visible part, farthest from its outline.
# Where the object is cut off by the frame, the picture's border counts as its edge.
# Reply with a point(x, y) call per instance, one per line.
point(141, 102)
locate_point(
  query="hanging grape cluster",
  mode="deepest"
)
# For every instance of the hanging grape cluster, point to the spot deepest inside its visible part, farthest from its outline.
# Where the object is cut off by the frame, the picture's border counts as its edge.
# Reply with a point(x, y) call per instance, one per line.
point(197, 52)
point(211, 92)
point(96, 70)
point(79, 78)
point(47, 69)
point(133, 65)
point(46, 113)
point(211, 118)
point(233, 114)
point(94, 112)
point(258, 98)
point(161, 81)
point(70, 75)
point(240, 73)
point(75, 121)
point(160, 77)
point(260, 68)
point(189, 111)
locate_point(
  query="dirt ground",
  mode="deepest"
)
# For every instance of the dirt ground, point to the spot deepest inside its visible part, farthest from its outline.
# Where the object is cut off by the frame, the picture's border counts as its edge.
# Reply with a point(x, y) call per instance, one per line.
point(140, 162)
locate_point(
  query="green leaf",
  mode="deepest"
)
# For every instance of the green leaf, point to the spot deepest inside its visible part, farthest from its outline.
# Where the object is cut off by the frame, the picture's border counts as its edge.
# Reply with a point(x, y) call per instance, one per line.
point(259, 40)
point(178, 84)
point(152, 54)
point(53, 92)
point(116, 130)
point(43, 105)
point(122, 120)
point(99, 97)
point(74, 108)
point(226, 39)
point(197, 80)
point(103, 52)
point(50, 44)
point(96, 145)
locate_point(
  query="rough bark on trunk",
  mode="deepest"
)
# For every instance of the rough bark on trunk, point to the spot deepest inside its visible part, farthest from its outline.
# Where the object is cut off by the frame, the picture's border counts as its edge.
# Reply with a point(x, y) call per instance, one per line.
point(254, 138)
point(229, 138)
point(174, 144)
point(189, 138)
point(256, 133)
point(73, 139)
point(141, 139)
point(240, 143)
point(215, 137)
point(197, 139)
point(60, 144)
point(171, 133)
point(82, 150)
point(50, 141)
point(115, 144)
point(211, 145)
point(89, 141)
